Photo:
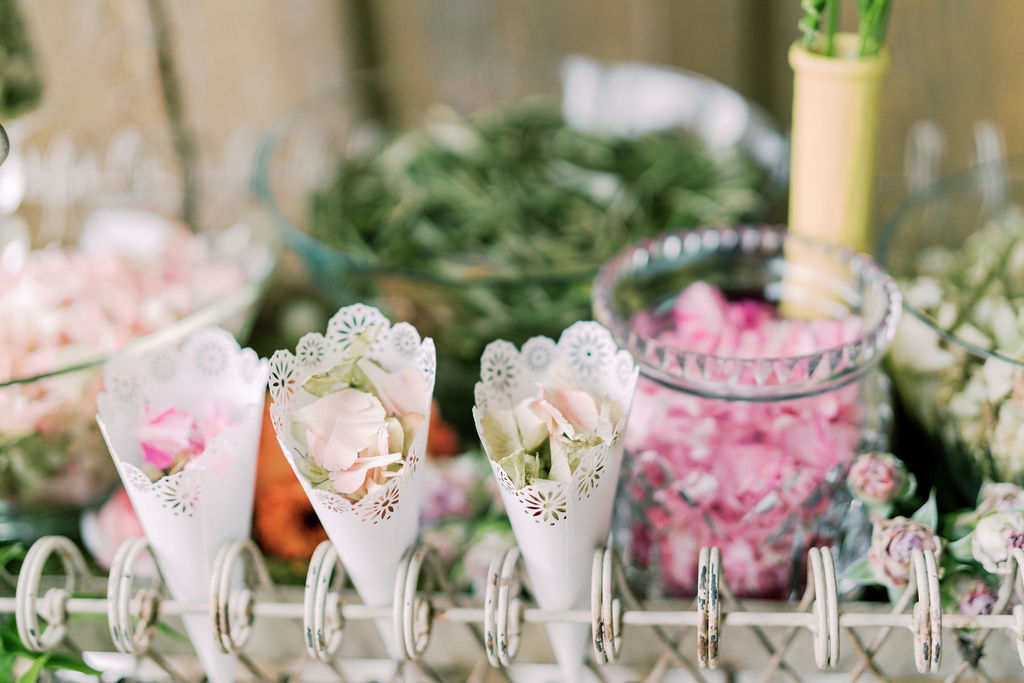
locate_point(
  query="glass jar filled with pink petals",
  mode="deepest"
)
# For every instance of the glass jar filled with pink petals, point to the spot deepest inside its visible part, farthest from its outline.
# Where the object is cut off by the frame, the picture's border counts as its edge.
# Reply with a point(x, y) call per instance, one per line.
point(759, 382)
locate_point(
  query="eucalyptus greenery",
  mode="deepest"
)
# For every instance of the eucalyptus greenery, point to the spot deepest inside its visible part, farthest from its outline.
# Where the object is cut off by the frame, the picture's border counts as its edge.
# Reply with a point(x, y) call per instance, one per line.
point(493, 227)
point(872, 16)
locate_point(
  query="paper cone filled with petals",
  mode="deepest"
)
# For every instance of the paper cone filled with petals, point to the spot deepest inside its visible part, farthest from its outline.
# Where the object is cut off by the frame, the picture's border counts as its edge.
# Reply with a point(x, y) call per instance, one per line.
point(351, 409)
point(551, 419)
point(183, 428)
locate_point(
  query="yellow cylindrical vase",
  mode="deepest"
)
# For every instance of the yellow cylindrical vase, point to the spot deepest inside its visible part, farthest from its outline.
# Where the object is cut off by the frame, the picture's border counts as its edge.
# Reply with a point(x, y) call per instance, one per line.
point(836, 103)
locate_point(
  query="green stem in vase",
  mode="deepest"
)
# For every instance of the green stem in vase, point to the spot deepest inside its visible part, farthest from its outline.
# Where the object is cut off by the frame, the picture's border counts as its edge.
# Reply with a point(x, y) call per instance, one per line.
point(833, 26)
point(810, 22)
point(874, 19)
point(872, 15)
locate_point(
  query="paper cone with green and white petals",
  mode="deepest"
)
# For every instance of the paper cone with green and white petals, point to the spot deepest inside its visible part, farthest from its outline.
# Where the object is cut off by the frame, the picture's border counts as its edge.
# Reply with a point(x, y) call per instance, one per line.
point(357, 368)
point(551, 417)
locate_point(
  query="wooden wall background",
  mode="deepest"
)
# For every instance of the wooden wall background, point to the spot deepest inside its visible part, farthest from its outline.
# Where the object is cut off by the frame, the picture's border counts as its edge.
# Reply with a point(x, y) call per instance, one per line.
point(245, 62)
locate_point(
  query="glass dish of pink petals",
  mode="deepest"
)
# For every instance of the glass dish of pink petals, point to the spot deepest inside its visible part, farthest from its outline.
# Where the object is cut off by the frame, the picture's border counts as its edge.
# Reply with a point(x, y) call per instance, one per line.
point(134, 280)
point(759, 382)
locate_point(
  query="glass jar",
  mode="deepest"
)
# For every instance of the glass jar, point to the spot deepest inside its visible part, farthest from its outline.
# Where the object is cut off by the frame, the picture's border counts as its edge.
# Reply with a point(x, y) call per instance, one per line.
point(744, 451)
point(957, 363)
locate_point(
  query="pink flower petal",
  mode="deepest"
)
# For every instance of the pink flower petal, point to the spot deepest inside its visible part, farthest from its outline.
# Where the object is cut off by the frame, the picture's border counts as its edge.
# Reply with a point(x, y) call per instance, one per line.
point(163, 434)
point(401, 392)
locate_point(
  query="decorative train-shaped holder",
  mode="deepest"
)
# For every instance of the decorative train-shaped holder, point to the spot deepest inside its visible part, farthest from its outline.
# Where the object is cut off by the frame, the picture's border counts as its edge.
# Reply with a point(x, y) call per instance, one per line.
point(692, 637)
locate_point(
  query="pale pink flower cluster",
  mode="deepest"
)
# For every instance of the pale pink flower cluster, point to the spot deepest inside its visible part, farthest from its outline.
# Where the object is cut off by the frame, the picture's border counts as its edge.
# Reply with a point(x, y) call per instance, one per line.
point(545, 436)
point(170, 438)
point(748, 477)
point(358, 438)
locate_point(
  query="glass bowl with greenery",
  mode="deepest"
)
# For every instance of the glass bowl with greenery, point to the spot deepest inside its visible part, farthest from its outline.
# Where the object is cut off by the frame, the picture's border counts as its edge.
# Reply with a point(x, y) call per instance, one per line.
point(493, 225)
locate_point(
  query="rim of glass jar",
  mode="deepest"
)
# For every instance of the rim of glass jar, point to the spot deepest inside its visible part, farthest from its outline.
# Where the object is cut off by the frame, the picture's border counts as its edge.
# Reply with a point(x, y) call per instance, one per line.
point(1012, 167)
point(827, 369)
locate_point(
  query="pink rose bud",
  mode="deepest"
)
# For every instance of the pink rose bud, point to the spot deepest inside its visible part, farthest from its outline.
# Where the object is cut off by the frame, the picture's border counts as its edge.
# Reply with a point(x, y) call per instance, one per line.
point(973, 596)
point(997, 535)
point(1001, 497)
point(893, 542)
point(877, 478)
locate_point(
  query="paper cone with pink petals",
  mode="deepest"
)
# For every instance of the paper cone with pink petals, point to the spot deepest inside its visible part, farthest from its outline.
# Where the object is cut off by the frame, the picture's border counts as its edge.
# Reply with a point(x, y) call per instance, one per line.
point(558, 524)
point(189, 515)
point(372, 534)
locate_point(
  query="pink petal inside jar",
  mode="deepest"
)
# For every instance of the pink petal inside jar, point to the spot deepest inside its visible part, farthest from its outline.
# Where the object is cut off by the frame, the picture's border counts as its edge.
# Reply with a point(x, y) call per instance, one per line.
point(751, 477)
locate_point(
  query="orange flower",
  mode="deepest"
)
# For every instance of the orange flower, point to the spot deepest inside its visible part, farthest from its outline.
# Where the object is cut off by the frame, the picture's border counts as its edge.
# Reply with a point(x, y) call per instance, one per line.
point(284, 523)
point(442, 440)
point(272, 464)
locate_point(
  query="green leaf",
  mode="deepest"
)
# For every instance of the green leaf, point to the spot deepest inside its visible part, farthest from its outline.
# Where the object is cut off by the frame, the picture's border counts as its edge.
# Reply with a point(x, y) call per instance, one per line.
point(928, 514)
point(67, 662)
point(909, 489)
point(7, 661)
point(335, 379)
point(521, 468)
point(960, 550)
point(859, 573)
point(12, 552)
point(310, 470)
point(499, 433)
point(883, 511)
point(32, 675)
point(10, 640)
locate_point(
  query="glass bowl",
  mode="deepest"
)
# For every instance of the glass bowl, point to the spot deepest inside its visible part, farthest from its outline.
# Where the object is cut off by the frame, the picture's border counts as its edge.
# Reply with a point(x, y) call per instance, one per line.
point(53, 462)
point(957, 250)
point(744, 452)
point(464, 302)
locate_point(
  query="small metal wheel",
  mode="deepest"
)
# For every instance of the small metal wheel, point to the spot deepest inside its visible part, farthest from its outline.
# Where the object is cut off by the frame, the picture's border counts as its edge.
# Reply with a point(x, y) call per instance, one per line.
point(413, 613)
point(54, 602)
point(503, 608)
point(927, 613)
point(606, 605)
point(231, 612)
point(821, 578)
point(709, 607)
point(323, 621)
point(122, 611)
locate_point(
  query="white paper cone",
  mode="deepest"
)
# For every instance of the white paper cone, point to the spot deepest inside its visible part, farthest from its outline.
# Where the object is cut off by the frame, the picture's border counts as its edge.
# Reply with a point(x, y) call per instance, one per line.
point(188, 516)
point(558, 525)
point(372, 534)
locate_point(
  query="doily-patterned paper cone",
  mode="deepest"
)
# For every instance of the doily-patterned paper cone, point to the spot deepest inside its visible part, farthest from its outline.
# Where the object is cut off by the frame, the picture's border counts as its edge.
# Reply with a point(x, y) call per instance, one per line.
point(189, 515)
point(372, 534)
point(557, 525)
